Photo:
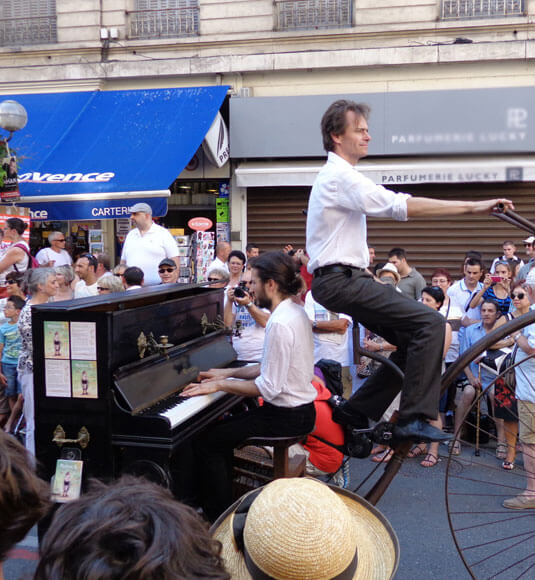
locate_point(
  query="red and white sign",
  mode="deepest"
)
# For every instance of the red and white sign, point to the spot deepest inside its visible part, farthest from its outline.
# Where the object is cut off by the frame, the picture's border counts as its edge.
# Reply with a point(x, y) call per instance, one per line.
point(200, 224)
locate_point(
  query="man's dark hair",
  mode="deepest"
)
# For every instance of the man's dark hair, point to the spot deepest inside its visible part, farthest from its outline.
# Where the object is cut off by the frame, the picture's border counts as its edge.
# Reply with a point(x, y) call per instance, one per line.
point(104, 259)
point(131, 529)
point(133, 276)
point(91, 260)
point(237, 254)
point(279, 267)
point(17, 301)
point(23, 496)
point(334, 120)
point(398, 252)
point(251, 246)
point(473, 262)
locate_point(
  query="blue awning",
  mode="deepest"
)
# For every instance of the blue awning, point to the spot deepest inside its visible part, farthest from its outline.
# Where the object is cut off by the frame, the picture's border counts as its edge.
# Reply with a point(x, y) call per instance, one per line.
point(91, 155)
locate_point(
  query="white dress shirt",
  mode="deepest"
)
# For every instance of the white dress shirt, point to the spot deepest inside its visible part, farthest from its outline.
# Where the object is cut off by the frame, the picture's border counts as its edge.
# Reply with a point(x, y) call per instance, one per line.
point(287, 365)
point(340, 200)
point(148, 250)
point(217, 264)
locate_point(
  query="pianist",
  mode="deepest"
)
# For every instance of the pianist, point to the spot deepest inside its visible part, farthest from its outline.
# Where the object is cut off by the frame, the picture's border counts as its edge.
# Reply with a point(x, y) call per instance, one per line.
point(282, 379)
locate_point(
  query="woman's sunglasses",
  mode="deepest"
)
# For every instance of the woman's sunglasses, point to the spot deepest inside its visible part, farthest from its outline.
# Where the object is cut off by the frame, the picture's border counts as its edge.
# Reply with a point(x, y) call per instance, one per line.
point(520, 296)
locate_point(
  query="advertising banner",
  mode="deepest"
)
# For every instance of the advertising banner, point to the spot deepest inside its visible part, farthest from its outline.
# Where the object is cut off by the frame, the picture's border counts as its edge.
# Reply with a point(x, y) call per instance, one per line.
point(9, 187)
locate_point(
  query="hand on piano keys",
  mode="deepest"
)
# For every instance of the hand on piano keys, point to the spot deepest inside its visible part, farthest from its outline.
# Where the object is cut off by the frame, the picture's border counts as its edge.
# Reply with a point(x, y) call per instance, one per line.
point(204, 388)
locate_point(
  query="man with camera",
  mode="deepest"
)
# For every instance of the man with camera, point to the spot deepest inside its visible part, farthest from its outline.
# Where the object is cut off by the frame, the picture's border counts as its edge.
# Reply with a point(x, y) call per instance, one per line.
point(247, 320)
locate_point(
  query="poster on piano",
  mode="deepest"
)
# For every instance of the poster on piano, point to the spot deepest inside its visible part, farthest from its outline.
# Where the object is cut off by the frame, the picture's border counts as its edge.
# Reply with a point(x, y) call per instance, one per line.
point(84, 379)
point(67, 480)
point(57, 340)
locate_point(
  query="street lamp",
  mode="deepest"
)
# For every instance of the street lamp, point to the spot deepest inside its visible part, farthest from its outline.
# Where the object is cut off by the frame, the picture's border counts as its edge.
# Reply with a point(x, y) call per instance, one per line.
point(13, 117)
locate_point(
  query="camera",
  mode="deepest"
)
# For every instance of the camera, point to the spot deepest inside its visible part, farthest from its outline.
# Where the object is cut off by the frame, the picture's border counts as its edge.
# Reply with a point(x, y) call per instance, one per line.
point(291, 252)
point(496, 279)
point(241, 290)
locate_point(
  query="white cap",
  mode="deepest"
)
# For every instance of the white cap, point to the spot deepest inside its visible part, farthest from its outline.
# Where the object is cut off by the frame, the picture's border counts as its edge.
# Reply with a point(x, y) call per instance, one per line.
point(389, 267)
point(529, 240)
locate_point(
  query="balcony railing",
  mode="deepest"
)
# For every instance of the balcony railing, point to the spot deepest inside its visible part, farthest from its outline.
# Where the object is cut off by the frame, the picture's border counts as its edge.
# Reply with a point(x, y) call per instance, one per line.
point(313, 14)
point(461, 9)
point(28, 30)
point(164, 22)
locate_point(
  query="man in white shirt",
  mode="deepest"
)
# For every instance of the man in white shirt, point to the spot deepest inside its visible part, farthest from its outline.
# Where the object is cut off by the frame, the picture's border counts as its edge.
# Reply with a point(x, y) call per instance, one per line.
point(340, 200)
point(85, 268)
point(247, 320)
point(148, 244)
point(222, 251)
point(55, 255)
point(461, 292)
point(283, 380)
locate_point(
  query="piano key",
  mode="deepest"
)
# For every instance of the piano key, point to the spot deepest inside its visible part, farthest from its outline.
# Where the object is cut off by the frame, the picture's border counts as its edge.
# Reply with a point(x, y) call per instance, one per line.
point(186, 407)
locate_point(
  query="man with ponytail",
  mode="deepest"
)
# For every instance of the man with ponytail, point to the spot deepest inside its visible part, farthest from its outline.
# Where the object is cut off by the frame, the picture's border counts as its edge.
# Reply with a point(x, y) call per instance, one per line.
point(283, 379)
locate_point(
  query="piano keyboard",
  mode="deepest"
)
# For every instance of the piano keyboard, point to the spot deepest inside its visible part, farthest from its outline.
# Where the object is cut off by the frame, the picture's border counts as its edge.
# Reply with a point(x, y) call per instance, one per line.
point(186, 407)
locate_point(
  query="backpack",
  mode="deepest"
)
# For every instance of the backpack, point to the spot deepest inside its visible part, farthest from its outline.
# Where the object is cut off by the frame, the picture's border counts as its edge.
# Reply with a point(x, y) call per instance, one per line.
point(332, 372)
point(32, 262)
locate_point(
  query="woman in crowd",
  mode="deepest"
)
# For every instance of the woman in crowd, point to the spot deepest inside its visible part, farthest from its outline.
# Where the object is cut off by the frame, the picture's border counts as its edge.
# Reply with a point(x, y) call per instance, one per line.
point(42, 285)
point(109, 283)
point(218, 277)
point(433, 296)
point(479, 379)
point(64, 276)
point(505, 407)
point(17, 257)
point(236, 262)
point(494, 290)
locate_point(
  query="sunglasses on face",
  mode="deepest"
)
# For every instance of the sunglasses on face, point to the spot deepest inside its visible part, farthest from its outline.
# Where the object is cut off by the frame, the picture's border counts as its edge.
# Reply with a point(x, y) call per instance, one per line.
point(60, 240)
point(11, 281)
point(162, 270)
point(214, 279)
point(100, 289)
point(520, 296)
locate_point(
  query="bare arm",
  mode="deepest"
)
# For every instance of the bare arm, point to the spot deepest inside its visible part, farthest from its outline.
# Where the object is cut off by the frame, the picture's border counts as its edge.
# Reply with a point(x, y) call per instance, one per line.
point(228, 315)
point(427, 207)
point(339, 326)
point(247, 372)
point(477, 299)
point(523, 344)
point(246, 388)
point(447, 339)
point(13, 255)
point(259, 316)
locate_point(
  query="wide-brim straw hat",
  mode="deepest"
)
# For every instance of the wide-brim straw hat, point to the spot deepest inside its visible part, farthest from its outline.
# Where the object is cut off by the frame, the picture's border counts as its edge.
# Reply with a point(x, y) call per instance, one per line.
point(303, 529)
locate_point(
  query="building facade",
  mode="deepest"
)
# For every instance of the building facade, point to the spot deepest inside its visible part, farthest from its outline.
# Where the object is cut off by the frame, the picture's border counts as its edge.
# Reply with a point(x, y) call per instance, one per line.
point(450, 82)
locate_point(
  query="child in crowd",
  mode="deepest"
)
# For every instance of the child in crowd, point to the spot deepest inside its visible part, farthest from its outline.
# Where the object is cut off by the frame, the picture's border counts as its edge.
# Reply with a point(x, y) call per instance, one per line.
point(10, 344)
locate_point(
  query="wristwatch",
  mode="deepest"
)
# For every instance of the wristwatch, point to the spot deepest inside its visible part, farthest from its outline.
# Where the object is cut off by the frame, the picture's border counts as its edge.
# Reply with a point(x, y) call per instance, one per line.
point(517, 336)
point(315, 324)
point(249, 304)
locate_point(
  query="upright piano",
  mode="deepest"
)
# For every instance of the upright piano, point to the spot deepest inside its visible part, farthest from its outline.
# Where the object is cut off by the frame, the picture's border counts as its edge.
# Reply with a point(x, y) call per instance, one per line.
point(103, 398)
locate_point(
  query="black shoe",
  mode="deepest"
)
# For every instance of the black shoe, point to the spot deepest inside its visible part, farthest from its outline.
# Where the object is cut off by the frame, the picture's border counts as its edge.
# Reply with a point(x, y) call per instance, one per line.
point(419, 430)
point(345, 416)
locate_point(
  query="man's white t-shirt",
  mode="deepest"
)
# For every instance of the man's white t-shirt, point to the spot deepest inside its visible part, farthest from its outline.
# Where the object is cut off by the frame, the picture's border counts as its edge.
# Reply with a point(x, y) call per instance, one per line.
point(330, 345)
point(48, 254)
point(148, 250)
point(82, 290)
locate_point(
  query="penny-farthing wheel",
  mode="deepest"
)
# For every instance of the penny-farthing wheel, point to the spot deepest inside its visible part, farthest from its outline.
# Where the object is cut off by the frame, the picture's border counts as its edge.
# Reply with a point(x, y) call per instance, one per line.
point(493, 541)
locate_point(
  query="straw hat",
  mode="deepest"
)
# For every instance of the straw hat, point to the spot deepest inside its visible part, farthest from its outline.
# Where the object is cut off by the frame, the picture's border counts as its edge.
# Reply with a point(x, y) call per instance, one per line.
point(389, 267)
point(303, 529)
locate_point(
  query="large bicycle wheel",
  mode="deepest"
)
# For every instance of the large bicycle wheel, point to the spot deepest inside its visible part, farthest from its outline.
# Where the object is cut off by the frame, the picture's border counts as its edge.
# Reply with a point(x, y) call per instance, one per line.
point(493, 541)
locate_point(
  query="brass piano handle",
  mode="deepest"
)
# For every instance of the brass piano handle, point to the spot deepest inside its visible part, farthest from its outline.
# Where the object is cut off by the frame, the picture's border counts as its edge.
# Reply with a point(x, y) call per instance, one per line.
point(59, 437)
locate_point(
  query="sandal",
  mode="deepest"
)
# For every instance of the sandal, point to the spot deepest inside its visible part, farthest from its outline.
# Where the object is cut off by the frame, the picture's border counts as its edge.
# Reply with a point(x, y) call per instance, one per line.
point(430, 460)
point(508, 466)
point(501, 451)
point(417, 450)
point(455, 447)
point(383, 457)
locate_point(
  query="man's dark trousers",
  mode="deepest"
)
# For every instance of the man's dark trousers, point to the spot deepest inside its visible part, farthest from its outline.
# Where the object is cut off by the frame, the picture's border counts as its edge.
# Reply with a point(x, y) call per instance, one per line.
point(416, 330)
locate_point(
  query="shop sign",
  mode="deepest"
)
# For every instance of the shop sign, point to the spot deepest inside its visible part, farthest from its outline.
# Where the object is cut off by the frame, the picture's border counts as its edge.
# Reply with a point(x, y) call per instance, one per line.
point(200, 224)
point(9, 187)
point(92, 177)
point(216, 144)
